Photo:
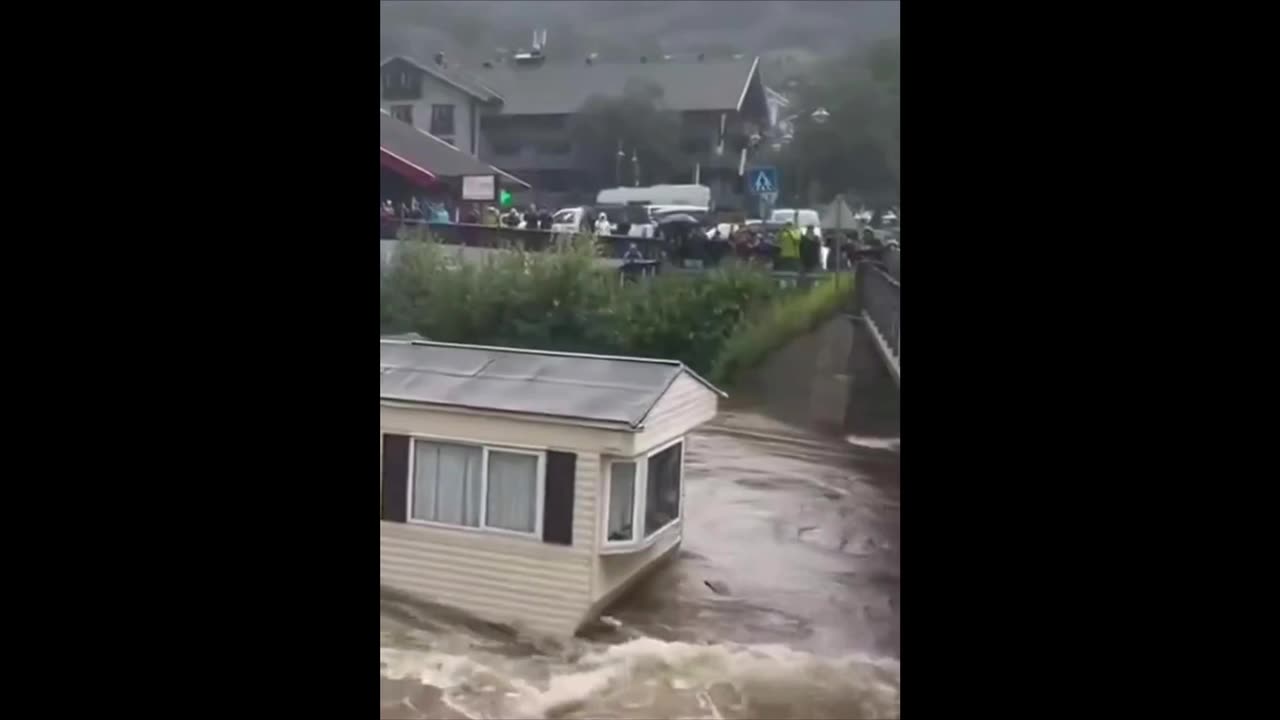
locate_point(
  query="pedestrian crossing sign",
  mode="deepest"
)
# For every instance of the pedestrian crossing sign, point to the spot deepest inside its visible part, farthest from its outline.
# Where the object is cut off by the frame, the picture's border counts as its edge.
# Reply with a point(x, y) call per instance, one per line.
point(762, 180)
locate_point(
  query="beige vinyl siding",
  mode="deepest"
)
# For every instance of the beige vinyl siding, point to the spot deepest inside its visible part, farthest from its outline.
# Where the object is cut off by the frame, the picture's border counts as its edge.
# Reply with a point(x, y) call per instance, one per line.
point(685, 405)
point(614, 574)
point(499, 430)
point(586, 498)
point(521, 581)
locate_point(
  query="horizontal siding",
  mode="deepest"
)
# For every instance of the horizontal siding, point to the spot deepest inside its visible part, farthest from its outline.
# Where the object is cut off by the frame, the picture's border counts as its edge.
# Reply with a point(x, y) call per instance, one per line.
point(542, 587)
point(585, 499)
point(684, 406)
point(497, 430)
point(614, 573)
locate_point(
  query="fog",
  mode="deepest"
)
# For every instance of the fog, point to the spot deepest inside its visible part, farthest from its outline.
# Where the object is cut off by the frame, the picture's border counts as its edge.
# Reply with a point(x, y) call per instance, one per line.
point(474, 29)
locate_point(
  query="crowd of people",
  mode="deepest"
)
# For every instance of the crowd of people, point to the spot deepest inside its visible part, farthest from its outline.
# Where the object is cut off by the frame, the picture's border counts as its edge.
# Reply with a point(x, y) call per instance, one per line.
point(781, 248)
point(531, 218)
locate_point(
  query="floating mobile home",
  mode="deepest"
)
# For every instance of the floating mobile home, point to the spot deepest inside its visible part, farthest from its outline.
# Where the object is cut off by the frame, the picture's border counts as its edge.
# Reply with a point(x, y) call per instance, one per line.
point(531, 487)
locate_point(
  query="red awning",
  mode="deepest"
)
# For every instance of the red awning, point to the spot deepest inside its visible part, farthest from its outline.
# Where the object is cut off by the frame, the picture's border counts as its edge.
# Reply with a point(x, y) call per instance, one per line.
point(417, 175)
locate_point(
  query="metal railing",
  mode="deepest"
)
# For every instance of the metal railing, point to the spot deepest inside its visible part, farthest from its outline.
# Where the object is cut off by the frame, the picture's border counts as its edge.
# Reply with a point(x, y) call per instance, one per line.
point(700, 254)
point(500, 236)
point(879, 300)
point(893, 263)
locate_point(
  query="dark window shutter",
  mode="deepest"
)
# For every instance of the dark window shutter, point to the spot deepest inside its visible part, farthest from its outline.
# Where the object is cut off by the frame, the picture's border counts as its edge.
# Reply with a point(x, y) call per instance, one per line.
point(557, 508)
point(395, 477)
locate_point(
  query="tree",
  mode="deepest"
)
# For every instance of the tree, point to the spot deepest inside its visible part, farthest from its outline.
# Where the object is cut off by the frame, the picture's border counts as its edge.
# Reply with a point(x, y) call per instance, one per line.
point(637, 122)
point(858, 150)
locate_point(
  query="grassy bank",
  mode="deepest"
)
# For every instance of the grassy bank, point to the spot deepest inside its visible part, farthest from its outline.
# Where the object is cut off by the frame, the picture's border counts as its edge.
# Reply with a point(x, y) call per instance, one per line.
point(718, 323)
point(787, 318)
point(561, 301)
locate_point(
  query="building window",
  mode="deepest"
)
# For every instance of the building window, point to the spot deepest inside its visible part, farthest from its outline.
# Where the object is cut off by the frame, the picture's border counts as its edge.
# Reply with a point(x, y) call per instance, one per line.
point(622, 494)
point(662, 495)
point(647, 490)
point(441, 119)
point(403, 113)
point(476, 487)
point(506, 147)
point(511, 491)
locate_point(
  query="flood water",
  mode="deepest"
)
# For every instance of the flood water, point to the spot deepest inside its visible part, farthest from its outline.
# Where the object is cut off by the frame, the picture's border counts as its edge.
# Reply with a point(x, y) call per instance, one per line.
point(782, 603)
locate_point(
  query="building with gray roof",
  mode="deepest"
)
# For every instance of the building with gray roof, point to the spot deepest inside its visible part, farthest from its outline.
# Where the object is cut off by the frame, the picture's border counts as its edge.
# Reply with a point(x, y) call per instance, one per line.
point(517, 114)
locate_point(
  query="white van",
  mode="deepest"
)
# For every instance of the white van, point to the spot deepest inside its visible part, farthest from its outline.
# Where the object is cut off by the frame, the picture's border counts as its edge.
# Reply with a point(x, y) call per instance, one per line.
point(803, 218)
point(691, 195)
point(800, 217)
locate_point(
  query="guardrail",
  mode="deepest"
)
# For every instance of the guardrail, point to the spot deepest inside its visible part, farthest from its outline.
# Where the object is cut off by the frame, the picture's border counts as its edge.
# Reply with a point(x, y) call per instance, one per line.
point(500, 236)
point(893, 263)
point(879, 301)
point(655, 253)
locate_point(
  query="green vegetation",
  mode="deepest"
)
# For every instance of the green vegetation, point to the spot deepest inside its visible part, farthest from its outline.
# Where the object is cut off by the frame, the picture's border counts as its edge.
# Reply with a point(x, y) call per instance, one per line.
point(857, 152)
point(791, 316)
point(561, 301)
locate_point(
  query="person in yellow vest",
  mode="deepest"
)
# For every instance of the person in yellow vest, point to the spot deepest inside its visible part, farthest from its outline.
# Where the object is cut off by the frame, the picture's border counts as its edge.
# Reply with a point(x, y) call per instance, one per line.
point(788, 249)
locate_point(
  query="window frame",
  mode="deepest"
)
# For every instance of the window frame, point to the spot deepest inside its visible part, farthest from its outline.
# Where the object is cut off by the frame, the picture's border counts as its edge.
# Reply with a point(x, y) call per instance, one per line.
point(540, 489)
point(640, 499)
point(401, 107)
point(453, 120)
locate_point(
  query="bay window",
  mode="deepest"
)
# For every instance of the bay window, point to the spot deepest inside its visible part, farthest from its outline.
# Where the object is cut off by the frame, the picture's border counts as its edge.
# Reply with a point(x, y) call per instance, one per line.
point(662, 494)
point(474, 486)
point(642, 497)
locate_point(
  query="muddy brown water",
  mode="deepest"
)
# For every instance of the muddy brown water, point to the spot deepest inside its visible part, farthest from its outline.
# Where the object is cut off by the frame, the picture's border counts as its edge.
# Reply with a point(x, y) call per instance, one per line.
point(782, 603)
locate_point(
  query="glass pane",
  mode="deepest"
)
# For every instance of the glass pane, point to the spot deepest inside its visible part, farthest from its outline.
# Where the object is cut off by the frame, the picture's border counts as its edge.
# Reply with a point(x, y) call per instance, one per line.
point(446, 483)
point(662, 497)
point(513, 486)
point(622, 499)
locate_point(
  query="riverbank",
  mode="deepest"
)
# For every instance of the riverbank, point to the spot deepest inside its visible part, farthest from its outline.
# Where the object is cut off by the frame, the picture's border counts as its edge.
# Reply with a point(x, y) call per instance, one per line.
point(720, 322)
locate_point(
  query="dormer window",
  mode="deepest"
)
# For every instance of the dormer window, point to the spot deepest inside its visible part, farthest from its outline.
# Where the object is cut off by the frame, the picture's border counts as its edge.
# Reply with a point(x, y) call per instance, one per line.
point(400, 83)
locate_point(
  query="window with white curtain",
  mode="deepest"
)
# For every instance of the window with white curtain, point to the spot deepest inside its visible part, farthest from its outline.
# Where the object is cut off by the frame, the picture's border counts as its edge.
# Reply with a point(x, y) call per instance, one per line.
point(512, 491)
point(643, 492)
point(622, 496)
point(474, 486)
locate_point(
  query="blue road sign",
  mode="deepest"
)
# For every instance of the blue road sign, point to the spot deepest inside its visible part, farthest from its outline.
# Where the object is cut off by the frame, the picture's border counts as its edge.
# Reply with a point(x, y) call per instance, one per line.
point(761, 180)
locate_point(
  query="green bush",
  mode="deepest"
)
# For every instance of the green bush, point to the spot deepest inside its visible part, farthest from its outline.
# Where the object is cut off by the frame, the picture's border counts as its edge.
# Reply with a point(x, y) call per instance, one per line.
point(559, 300)
point(791, 316)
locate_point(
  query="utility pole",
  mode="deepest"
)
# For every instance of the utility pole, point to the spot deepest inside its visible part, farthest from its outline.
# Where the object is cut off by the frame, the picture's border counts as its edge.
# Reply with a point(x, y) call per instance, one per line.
point(617, 165)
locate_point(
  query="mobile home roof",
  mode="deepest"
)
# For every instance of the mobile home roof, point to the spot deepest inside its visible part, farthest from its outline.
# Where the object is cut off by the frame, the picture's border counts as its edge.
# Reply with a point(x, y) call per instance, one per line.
point(585, 388)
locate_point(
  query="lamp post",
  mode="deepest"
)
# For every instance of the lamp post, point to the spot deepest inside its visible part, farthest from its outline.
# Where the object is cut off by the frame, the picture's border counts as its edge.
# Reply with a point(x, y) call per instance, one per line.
point(617, 166)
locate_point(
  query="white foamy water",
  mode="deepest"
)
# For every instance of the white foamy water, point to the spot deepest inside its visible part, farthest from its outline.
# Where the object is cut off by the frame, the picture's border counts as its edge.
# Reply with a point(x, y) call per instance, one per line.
point(874, 443)
point(646, 678)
